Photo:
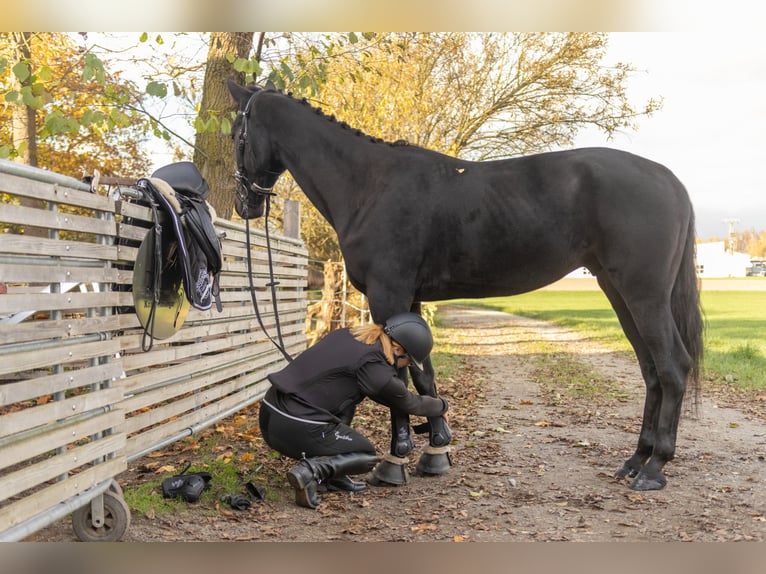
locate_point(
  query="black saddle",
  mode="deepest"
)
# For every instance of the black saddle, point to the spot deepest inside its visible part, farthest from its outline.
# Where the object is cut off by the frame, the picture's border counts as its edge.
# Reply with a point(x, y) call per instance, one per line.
point(180, 257)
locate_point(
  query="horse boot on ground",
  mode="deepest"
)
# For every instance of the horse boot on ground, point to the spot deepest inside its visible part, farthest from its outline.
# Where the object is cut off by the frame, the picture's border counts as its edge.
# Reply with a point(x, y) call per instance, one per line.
point(392, 470)
point(435, 458)
point(306, 476)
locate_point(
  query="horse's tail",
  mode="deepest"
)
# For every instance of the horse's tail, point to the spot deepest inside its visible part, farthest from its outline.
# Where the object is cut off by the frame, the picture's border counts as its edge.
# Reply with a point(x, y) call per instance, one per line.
point(687, 313)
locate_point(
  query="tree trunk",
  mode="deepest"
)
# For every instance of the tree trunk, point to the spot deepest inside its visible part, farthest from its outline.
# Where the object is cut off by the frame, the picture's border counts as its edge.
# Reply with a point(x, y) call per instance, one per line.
point(214, 152)
point(24, 134)
point(23, 120)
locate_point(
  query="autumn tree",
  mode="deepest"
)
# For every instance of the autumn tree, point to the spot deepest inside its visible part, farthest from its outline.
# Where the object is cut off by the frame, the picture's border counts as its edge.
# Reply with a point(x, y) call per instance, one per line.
point(213, 151)
point(78, 114)
point(474, 96)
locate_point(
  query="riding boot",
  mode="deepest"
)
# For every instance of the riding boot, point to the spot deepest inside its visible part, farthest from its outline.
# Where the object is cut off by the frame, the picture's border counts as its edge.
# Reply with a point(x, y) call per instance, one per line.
point(345, 483)
point(310, 472)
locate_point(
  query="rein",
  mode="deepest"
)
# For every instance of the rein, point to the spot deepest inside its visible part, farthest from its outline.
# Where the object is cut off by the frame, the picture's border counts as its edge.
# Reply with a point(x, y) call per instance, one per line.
point(244, 188)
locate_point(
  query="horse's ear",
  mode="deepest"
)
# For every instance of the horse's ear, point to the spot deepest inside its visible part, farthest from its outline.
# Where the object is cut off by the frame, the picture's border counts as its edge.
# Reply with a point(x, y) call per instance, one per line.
point(239, 93)
point(270, 86)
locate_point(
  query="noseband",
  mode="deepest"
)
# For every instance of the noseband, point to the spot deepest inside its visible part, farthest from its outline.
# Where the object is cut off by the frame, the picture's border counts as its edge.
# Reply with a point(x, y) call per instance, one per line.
point(244, 185)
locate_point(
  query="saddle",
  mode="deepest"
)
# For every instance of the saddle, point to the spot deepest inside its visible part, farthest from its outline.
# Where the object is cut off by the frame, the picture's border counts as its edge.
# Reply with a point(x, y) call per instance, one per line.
point(179, 260)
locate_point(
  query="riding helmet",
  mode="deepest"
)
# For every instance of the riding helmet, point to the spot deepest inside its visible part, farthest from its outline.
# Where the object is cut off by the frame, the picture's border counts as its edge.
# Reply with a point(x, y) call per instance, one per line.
point(412, 332)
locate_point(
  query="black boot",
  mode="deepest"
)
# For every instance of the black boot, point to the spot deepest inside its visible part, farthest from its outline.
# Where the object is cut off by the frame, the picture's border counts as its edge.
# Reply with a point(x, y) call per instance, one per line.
point(345, 483)
point(308, 473)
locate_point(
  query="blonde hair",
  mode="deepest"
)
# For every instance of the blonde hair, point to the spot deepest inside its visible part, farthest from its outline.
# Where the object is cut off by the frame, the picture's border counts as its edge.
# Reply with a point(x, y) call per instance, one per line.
point(371, 333)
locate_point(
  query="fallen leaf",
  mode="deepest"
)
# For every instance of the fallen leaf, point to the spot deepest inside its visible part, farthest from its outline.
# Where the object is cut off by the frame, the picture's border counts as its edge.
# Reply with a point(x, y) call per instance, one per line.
point(525, 402)
point(458, 538)
point(542, 424)
point(165, 468)
point(422, 527)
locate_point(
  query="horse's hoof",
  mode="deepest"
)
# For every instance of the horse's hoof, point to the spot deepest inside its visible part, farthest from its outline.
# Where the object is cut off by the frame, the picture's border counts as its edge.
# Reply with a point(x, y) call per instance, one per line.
point(626, 472)
point(644, 482)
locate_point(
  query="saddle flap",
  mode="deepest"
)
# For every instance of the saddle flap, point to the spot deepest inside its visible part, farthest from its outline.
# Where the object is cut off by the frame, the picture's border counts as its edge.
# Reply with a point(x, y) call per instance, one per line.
point(189, 226)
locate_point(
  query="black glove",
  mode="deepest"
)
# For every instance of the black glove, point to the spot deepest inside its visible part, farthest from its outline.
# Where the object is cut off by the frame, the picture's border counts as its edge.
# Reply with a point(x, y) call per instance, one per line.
point(237, 501)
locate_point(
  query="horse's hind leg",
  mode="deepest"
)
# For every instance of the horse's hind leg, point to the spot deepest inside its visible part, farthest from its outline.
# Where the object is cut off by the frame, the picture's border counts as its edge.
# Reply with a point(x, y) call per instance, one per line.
point(653, 398)
point(665, 364)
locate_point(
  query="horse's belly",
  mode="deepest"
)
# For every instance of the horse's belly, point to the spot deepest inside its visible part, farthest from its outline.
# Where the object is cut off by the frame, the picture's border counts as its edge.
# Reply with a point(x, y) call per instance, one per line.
point(479, 287)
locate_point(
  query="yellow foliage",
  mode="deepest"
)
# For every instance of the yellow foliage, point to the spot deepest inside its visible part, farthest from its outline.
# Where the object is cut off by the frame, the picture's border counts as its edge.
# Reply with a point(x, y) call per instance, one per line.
point(84, 125)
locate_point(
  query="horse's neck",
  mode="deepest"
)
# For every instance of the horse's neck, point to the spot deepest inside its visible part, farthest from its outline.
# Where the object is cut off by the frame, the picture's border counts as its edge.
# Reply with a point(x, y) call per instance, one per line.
point(325, 160)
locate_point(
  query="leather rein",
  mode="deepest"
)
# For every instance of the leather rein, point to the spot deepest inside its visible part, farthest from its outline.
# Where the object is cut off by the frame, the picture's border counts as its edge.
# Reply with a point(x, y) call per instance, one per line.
point(244, 188)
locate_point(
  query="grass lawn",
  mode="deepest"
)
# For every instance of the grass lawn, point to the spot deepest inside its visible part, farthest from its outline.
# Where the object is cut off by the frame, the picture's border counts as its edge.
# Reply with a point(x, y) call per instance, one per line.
point(735, 336)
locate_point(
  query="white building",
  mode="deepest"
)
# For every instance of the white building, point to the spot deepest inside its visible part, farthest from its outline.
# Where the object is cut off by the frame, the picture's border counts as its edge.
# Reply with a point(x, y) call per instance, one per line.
point(714, 261)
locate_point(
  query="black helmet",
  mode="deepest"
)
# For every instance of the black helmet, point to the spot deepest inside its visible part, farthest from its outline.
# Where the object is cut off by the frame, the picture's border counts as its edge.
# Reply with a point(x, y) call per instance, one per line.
point(412, 332)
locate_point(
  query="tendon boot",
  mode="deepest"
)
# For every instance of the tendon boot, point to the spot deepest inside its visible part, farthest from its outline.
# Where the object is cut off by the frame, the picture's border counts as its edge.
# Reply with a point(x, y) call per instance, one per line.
point(310, 472)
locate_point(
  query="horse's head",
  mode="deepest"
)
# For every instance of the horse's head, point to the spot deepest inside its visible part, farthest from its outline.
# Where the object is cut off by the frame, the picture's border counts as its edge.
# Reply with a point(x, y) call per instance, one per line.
point(257, 168)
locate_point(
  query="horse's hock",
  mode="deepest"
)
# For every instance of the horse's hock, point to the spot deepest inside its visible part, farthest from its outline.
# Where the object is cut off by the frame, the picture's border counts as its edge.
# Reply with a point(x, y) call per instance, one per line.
point(79, 399)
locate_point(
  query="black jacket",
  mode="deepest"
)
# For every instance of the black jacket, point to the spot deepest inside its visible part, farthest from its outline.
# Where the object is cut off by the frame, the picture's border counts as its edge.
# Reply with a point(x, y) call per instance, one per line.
point(328, 380)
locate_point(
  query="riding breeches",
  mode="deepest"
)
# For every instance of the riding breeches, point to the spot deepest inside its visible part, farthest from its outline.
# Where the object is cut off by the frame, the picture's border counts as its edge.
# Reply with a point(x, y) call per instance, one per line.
point(302, 438)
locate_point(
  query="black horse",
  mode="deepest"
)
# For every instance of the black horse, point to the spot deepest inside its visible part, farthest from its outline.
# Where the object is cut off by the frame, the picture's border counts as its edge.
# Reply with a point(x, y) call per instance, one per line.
point(416, 225)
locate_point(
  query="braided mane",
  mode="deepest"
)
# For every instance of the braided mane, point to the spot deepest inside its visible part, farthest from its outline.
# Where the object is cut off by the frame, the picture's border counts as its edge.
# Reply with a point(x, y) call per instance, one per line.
point(343, 125)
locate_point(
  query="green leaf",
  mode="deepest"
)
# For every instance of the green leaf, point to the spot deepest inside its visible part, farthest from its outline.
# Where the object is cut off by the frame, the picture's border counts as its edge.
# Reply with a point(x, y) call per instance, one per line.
point(12, 96)
point(21, 71)
point(225, 126)
point(143, 37)
point(212, 125)
point(157, 89)
point(5, 152)
point(199, 125)
point(45, 74)
point(352, 38)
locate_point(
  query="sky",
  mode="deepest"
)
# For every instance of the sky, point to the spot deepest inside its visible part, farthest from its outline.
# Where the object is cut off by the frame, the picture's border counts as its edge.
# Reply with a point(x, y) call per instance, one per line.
point(711, 130)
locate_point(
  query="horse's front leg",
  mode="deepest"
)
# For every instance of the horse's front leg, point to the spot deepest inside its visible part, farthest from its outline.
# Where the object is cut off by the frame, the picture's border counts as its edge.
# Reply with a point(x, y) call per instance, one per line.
point(435, 458)
point(392, 470)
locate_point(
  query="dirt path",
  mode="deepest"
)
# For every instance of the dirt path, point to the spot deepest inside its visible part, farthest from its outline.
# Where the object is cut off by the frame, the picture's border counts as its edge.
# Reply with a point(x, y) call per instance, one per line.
point(535, 447)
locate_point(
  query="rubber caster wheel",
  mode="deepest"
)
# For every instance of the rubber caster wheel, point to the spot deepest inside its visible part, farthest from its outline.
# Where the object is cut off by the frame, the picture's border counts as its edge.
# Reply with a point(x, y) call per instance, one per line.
point(116, 520)
point(115, 487)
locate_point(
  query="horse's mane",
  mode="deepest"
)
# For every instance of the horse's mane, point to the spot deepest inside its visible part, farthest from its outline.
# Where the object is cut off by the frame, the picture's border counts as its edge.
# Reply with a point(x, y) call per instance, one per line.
point(332, 119)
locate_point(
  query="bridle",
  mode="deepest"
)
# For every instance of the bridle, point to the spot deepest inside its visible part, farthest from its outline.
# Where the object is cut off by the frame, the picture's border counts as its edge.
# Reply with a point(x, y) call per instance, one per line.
point(244, 188)
point(244, 185)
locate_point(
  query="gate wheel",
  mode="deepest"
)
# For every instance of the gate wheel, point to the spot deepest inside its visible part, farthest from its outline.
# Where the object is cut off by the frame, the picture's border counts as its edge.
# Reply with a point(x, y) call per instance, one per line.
point(116, 520)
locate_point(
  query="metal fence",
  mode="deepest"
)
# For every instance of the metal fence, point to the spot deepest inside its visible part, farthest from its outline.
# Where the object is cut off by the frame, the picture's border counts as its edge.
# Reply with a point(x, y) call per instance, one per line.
point(78, 396)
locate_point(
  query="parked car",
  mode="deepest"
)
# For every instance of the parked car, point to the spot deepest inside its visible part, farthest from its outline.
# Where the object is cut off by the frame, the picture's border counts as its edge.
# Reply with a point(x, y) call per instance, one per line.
point(757, 271)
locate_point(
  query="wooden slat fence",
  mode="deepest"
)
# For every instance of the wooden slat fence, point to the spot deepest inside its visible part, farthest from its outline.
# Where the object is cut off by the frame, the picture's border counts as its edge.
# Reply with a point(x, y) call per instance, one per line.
point(78, 396)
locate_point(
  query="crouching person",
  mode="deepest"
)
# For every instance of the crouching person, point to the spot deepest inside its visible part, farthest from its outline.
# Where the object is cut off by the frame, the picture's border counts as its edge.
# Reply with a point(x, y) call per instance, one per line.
point(306, 413)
